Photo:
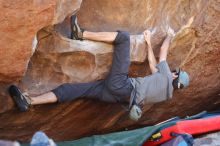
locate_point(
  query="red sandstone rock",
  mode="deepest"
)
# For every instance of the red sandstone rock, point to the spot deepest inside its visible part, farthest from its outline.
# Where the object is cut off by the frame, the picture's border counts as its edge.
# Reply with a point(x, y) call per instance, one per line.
point(20, 21)
point(57, 60)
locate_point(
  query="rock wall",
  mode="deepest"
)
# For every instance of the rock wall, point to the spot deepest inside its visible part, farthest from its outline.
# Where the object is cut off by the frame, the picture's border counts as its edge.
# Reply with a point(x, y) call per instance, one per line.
point(58, 59)
point(20, 21)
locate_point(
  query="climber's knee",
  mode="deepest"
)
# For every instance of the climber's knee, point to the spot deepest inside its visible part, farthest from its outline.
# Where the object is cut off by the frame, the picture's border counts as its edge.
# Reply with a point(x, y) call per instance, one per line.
point(122, 37)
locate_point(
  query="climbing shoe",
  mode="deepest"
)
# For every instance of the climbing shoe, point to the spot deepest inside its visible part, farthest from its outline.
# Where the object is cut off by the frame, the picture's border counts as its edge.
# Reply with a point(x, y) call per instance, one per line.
point(76, 31)
point(22, 101)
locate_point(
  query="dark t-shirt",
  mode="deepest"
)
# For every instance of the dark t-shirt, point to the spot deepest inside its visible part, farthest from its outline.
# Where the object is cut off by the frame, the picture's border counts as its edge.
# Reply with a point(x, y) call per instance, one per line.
point(153, 88)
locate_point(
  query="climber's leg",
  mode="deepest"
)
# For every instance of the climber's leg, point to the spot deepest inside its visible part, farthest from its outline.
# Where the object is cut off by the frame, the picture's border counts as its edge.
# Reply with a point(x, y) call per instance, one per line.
point(69, 91)
point(65, 92)
point(118, 82)
point(107, 37)
point(79, 33)
point(49, 97)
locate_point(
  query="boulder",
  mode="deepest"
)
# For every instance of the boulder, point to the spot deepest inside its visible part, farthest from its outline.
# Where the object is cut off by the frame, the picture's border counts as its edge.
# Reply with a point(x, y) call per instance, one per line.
point(59, 59)
point(20, 22)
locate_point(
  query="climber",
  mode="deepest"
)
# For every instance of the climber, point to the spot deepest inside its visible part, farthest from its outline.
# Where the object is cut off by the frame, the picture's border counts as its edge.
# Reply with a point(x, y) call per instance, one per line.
point(117, 87)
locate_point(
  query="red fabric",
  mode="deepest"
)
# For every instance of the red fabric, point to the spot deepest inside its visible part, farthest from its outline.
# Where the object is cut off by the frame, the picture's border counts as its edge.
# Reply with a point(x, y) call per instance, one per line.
point(193, 127)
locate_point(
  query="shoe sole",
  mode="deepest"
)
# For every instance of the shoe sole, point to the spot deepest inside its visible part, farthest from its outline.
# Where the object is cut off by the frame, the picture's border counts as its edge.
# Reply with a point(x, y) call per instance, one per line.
point(75, 28)
point(19, 99)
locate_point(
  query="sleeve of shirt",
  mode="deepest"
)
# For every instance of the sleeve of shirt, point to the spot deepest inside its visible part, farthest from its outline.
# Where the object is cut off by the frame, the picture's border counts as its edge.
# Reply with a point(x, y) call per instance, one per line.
point(163, 67)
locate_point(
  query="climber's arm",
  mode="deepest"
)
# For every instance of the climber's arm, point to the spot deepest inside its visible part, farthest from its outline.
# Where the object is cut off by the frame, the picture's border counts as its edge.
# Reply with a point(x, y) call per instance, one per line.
point(166, 43)
point(164, 49)
point(151, 58)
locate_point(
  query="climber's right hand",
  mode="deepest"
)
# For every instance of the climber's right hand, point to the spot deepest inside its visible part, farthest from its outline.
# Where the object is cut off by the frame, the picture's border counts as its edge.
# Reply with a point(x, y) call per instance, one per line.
point(147, 36)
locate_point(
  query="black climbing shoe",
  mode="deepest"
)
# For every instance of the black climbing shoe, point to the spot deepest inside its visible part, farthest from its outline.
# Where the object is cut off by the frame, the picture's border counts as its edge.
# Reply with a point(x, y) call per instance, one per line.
point(20, 99)
point(76, 31)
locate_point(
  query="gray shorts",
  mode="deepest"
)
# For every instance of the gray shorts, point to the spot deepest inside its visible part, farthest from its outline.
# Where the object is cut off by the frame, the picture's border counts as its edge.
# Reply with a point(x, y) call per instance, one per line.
point(115, 88)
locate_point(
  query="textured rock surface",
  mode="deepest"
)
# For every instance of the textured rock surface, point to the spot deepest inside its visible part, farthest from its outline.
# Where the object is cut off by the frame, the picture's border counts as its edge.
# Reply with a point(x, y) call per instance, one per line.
point(20, 21)
point(66, 60)
point(58, 59)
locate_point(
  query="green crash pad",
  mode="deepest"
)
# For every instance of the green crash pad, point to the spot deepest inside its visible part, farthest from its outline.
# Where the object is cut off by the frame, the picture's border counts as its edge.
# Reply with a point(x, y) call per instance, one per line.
point(125, 138)
point(128, 138)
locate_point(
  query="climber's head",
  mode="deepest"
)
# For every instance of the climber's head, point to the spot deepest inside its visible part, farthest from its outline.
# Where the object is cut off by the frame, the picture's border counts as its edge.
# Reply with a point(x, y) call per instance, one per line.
point(180, 79)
